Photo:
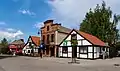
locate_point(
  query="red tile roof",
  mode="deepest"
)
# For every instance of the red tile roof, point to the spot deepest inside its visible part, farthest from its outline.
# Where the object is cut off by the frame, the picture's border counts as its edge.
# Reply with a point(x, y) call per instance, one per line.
point(36, 40)
point(93, 39)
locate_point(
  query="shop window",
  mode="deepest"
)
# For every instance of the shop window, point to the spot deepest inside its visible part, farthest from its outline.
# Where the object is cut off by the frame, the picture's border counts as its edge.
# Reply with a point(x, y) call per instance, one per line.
point(64, 49)
point(83, 49)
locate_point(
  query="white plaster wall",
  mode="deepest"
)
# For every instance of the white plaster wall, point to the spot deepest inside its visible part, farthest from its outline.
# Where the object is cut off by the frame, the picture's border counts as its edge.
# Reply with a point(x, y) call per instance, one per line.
point(83, 55)
point(35, 50)
point(30, 40)
point(90, 55)
point(77, 49)
point(95, 49)
point(77, 54)
point(68, 43)
point(64, 54)
point(79, 37)
point(69, 54)
point(85, 42)
point(95, 55)
point(73, 32)
point(69, 49)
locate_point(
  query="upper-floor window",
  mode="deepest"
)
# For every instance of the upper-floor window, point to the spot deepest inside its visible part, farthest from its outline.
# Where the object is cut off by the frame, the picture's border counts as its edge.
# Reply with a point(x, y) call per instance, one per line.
point(52, 37)
point(47, 28)
point(43, 38)
point(47, 39)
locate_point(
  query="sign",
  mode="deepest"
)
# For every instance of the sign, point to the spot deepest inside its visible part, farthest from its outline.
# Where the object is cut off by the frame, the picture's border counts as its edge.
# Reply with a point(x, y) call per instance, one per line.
point(65, 43)
point(42, 46)
point(74, 39)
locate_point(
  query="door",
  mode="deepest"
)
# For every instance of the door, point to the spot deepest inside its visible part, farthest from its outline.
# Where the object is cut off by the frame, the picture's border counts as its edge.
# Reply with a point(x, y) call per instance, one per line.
point(52, 51)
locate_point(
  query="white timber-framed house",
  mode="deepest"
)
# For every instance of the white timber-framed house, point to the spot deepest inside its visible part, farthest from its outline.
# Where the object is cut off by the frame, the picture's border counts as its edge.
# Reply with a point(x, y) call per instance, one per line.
point(87, 47)
point(32, 45)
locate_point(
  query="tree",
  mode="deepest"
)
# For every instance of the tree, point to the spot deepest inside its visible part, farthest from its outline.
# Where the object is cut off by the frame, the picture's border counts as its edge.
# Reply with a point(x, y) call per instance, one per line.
point(98, 23)
point(4, 45)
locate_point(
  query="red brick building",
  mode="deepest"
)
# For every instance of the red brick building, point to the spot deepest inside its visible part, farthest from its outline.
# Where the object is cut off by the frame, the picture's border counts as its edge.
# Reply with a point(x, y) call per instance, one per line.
point(52, 34)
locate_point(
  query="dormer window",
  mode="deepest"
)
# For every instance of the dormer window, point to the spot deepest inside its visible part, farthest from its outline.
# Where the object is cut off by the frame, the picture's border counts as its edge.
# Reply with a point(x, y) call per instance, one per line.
point(47, 28)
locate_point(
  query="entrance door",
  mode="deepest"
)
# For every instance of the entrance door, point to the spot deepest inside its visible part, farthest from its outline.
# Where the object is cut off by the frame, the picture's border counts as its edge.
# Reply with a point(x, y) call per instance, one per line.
point(52, 51)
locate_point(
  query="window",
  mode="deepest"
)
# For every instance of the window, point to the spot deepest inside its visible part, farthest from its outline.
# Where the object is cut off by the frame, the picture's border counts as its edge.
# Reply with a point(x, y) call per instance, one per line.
point(30, 43)
point(47, 28)
point(52, 38)
point(47, 39)
point(74, 36)
point(64, 49)
point(28, 51)
point(83, 49)
point(43, 39)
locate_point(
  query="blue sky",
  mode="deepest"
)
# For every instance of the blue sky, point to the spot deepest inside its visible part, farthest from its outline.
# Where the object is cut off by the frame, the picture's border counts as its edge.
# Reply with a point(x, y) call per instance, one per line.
point(21, 18)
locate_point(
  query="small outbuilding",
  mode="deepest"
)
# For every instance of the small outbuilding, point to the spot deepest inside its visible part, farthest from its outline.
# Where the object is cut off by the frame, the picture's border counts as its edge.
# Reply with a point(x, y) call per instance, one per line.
point(82, 45)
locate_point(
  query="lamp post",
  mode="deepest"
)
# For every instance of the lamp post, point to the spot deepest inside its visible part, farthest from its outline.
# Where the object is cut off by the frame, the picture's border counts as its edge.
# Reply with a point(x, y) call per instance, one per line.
point(74, 44)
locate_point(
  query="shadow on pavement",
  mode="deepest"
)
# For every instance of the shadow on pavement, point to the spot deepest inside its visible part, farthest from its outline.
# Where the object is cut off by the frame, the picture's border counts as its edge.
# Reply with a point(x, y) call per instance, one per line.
point(6, 56)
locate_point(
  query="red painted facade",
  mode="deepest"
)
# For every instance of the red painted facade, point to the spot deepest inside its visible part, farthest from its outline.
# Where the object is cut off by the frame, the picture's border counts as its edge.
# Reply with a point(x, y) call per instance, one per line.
point(16, 47)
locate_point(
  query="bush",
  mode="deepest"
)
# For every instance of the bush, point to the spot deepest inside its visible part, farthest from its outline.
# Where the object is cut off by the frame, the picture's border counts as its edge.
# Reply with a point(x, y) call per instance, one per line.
point(4, 50)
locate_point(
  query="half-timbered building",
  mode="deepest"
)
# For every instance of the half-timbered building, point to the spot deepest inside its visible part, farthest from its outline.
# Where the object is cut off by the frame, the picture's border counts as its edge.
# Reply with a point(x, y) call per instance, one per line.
point(32, 45)
point(86, 46)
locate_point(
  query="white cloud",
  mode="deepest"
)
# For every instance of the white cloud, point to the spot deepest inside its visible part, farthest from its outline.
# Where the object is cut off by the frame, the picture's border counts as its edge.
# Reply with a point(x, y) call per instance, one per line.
point(27, 12)
point(38, 25)
point(11, 35)
point(2, 23)
point(10, 30)
point(71, 12)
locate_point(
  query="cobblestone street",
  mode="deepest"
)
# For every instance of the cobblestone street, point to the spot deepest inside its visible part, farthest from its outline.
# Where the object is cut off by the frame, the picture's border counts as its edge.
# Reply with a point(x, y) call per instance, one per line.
point(22, 63)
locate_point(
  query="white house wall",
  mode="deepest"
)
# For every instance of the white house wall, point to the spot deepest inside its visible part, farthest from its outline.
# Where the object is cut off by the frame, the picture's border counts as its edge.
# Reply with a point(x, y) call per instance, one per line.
point(79, 37)
point(83, 55)
point(69, 51)
point(85, 42)
point(81, 42)
point(74, 32)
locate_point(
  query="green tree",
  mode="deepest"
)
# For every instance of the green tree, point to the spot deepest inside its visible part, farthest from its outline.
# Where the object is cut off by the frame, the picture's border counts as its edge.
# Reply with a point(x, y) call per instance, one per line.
point(4, 45)
point(98, 23)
